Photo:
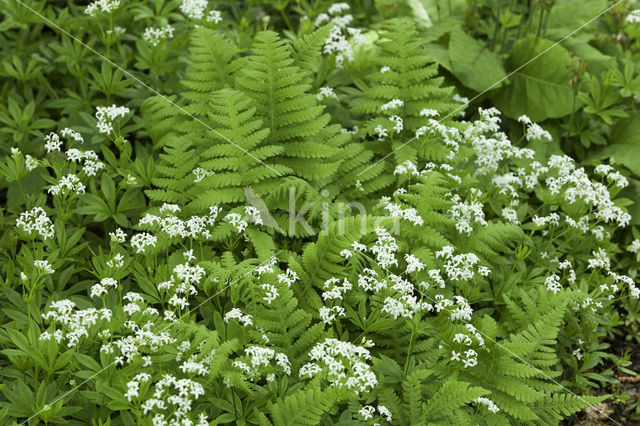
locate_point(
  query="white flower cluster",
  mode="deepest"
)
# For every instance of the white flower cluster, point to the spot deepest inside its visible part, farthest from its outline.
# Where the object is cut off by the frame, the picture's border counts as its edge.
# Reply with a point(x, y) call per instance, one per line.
point(43, 266)
point(214, 16)
point(154, 36)
point(267, 267)
point(236, 313)
point(74, 323)
point(333, 289)
point(141, 241)
point(600, 260)
point(36, 220)
point(271, 293)
point(413, 264)
point(460, 267)
point(29, 162)
point(467, 212)
point(98, 289)
point(612, 175)
point(325, 93)
point(491, 146)
point(404, 303)
point(105, 6)
point(69, 184)
point(392, 104)
point(577, 186)
point(470, 357)
point(385, 249)
point(449, 135)
point(342, 363)
point(552, 282)
point(181, 284)
point(118, 236)
point(408, 214)
point(534, 131)
point(259, 360)
point(634, 247)
point(143, 339)
point(329, 315)
point(407, 168)
point(381, 132)
point(201, 173)
point(367, 411)
point(491, 406)
point(193, 9)
point(337, 41)
point(106, 116)
point(90, 158)
point(633, 17)
point(195, 227)
point(172, 402)
point(398, 123)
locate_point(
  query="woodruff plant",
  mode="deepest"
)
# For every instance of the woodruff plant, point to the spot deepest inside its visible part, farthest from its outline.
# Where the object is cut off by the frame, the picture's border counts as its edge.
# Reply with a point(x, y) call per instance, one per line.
point(477, 286)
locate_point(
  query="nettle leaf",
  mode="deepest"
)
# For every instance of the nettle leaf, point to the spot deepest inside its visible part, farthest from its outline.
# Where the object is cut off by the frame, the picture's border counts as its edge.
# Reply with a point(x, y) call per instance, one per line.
point(539, 88)
point(473, 64)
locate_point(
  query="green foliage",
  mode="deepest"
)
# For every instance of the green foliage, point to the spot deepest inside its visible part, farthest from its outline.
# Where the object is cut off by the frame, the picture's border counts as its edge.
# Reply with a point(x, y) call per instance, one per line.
point(272, 213)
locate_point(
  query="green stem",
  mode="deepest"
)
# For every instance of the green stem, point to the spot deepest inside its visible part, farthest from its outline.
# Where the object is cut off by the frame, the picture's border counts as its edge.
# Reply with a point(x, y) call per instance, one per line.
point(411, 342)
point(540, 22)
point(286, 20)
point(496, 28)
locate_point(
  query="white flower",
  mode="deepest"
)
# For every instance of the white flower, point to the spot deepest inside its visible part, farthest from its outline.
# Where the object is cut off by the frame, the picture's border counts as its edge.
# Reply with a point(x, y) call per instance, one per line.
point(552, 282)
point(392, 104)
point(36, 220)
point(236, 221)
point(98, 290)
point(633, 17)
point(105, 6)
point(106, 116)
point(118, 236)
point(384, 412)
point(491, 406)
point(600, 260)
point(366, 412)
point(381, 132)
point(201, 173)
point(214, 16)
point(398, 126)
point(153, 35)
point(68, 184)
point(634, 246)
point(44, 266)
point(427, 113)
point(413, 263)
point(52, 142)
point(271, 293)
point(193, 9)
point(236, 313)
point(337, 8)
point(143, 240)
point(326, 92)
point(344, 363)
point(253, 215)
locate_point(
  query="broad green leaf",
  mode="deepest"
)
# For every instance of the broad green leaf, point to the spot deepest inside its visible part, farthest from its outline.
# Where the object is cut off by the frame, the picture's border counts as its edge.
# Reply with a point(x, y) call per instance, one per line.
point(624, 146)
point(473, 63)
point(539, 86)
point(568, 15)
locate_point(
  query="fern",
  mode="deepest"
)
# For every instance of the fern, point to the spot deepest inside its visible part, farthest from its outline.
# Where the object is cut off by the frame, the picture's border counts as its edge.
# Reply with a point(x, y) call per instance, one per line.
point(411, 79)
